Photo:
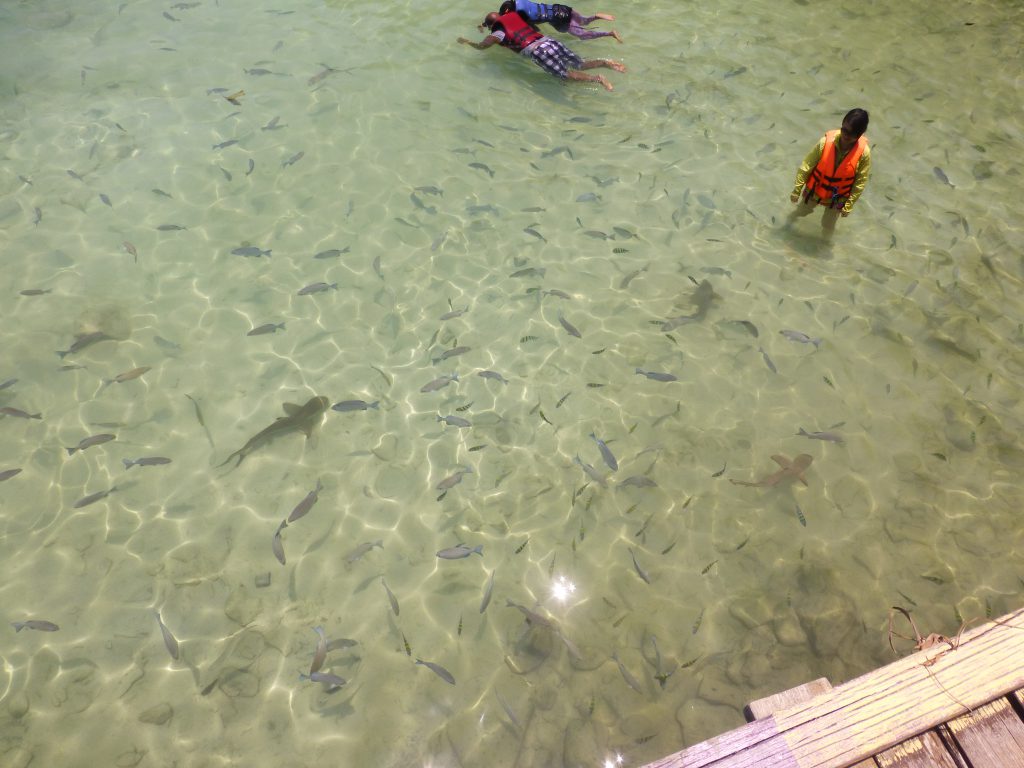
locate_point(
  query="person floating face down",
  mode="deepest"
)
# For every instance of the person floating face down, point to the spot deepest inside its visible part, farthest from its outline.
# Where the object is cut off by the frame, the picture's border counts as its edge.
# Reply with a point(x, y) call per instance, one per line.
point(561, 17)
point(513, 32)
point(834, 173)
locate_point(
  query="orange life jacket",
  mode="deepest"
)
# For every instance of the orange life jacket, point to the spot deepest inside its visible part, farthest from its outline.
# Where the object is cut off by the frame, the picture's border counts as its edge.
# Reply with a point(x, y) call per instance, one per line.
point(832, 183)
point(518, 34)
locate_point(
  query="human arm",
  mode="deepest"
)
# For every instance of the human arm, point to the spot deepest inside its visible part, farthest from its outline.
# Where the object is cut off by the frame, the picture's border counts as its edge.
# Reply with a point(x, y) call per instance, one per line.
point(805, 169)
point(860, 180)
point(487, 42)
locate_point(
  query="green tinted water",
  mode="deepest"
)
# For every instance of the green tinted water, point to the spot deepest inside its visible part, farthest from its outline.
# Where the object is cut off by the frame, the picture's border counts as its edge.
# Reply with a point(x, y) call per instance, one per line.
point(682, 172)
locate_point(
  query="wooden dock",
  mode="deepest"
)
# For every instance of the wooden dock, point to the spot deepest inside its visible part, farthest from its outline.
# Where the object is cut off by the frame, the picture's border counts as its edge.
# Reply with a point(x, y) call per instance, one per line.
point(941, 707)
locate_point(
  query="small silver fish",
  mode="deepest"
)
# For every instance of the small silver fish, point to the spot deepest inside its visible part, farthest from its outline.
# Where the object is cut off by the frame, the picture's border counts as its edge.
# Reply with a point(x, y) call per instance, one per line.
point(40, 625)
point(606, 454)
point(631, 681)
point(391, 596)
point(88, 442)
point(318, 287)
point(454, 313)
point(145, 461)
point(251, 251)
point(134, 373)
point(830, 437)
point(638, 481)
point(340, 643)
point(768, 360)
point(639, 571)
point(8, 410)
point(333, 253)
point(454, 479)
point(941, 176)
point(263, 330)
point(454, 421)
point(276, 545)
point(492, 375)
point(169, 640)
point(453, 352)
point(507, 708)
point(439, 383)
point(358, 552)
point(530, 272)
point(460, 551)
point(92, 498)
point(355, 405)
point(7, 474)
point(802, 338)
point(320, 655)
point(657, 376)
point(293, 159)
point(437, 669)
point(486, 600)
point(330, 681)
point(569, 327)
point(592, 473)
point(303, 507)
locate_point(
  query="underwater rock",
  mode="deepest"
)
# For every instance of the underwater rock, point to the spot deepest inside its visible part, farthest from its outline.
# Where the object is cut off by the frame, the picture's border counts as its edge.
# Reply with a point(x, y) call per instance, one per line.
point(17, 707)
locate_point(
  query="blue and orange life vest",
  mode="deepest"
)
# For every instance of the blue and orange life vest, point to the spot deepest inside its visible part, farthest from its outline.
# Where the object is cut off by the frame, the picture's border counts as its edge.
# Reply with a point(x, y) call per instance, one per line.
point(830, 182)
point(518, 34)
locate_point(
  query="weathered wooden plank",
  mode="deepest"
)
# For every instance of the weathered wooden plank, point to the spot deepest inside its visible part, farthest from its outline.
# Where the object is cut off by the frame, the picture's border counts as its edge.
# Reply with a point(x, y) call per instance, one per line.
point(882, 708)
point(991, 734)
point(877, 711)
point(760, 708)
point(924, 751)
point(753, 745)
point(765, 707)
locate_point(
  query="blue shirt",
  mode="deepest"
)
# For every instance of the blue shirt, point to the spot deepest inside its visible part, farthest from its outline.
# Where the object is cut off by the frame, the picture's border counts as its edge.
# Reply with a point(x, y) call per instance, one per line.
point(535, 12)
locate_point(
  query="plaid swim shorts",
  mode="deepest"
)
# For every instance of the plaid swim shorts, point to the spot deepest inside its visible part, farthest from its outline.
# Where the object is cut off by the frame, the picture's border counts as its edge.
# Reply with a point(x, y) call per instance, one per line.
point(553, 57)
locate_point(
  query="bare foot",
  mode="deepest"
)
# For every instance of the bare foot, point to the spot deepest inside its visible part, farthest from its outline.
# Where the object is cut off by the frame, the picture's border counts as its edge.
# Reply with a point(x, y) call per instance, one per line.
point(618, 66)
point(605, 16)
point(617, 36)
point(603, 81)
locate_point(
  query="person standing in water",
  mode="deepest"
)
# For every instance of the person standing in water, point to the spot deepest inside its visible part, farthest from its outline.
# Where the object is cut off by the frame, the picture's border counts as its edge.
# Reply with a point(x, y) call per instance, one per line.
point(561, 17)
point(514, 33)
point(834, 173)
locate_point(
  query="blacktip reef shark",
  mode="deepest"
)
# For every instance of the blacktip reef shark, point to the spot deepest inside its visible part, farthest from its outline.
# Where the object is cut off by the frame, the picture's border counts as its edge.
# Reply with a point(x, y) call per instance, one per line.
point(304, 418)
point(791, 470)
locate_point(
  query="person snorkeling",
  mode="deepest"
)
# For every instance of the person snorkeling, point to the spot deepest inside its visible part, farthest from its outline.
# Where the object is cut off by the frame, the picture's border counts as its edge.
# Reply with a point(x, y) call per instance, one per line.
point(515, 33)
point(561, 17)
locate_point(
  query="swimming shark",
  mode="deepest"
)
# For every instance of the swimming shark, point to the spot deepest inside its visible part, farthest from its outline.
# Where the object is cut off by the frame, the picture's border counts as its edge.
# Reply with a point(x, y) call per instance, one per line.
point(701, 298)
point(791, 470)
point(297, 418)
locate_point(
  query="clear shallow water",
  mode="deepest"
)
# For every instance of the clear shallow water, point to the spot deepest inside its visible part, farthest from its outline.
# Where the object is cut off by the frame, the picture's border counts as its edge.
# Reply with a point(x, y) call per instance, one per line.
point(916, 303)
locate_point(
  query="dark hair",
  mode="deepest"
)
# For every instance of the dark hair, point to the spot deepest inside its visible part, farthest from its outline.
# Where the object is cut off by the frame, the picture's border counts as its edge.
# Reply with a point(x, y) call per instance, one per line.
point(507, 7)
point(489, 20)
point(857, 120)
